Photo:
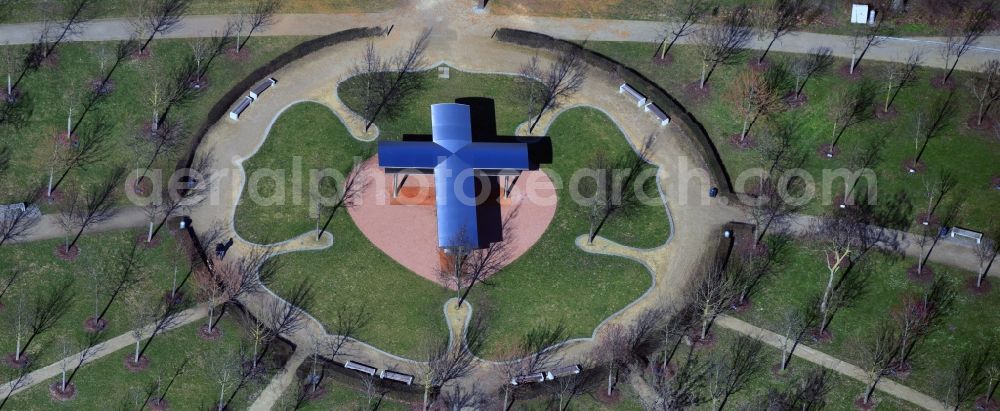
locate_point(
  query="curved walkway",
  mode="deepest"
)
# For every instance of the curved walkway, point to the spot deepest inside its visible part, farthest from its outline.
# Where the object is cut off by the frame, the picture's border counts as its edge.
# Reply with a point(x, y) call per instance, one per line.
point(462, 40)
point(466, 45)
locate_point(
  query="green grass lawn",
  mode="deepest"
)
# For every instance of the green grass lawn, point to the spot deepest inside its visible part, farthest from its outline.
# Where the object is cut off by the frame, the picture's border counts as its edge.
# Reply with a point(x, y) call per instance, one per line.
point(41, 270)
point(969, 325)
point(106, 385)
point(554, 277)
point(126, 109)
point(970, 155)
point(28, 10)
point(843, 390)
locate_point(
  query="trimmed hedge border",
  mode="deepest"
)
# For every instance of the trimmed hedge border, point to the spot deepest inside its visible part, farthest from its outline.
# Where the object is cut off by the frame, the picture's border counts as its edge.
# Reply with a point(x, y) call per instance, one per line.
point(678, 114)
point(218, 111)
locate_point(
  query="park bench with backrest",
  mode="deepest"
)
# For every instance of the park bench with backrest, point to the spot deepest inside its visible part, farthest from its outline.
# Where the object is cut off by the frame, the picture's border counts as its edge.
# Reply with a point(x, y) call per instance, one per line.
point(961, 232)
point(562, 372)
point(528, 379)
point(362, 368)
point(662, 117)
point(240, 108)
point(636, 95)
point(396, 376)
point(259, 89)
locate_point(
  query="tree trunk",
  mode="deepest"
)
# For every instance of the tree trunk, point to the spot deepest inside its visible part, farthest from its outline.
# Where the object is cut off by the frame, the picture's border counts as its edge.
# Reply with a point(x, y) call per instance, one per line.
point(77, 238)
point(774, 37)
point(871, 390)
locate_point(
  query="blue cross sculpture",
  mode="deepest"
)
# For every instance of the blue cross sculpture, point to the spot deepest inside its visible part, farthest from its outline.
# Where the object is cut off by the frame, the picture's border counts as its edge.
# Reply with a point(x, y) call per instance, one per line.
point(455, 159)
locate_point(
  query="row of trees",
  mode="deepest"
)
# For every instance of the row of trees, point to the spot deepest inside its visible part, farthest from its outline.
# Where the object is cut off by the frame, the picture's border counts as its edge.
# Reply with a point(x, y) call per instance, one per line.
point(724, 37)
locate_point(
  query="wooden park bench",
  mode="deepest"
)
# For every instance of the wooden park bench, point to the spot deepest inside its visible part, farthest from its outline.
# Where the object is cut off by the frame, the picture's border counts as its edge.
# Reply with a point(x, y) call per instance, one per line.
point(637, 96)
point(259, 89)
point(240, 108)
point(362, 368)
point(961, 232)
point(658, 113)
point(562, 372)
point(528, 379)
point(396, 376)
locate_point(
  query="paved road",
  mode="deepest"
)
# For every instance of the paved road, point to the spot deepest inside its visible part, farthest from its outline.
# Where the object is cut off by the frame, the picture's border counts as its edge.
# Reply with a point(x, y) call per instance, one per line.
point(892, 49)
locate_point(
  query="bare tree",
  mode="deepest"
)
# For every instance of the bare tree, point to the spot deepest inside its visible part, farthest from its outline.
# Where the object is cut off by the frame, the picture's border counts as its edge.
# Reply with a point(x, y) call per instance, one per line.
point(622, 346)
point(986, 252)
point(939, 115)
point(937, 186)
point(985, 87)
point(445, 362)
point(730, 374)
point(992, 380)
point(532, 354)
point(9, 64)
point(958, 386)
point(863, 158)
point(8, 282)
point(689, 12)
point(44, 311)
point(866, 36)
point(347, 195)
point(878, 353)
point(286, 317)
point(781, 17)
point(900, 76)
point(919, 317)
point(186, 190)
point(128, 273)
point(713, 293)
point(229, 281)
point(759, 95)
point(615, 189)
point(388, 83)
point(571, 386)
point(850, 108)
point(559, 81)
point(723, 41)
point(683, 391)
point(850, 237)
point(677, 330)
point(159, 17)
point(90, 148)
point(123, 50)
point(774, 204)
point(975, 21)
point(73, 15)
point(804, 67)
point(15, 222)
point(91, 345)
point(224, 366)
point(260, 16)
point(18, 378)
point(159, 141)
point(796, 325)
point(95, 206)
point(463, 268)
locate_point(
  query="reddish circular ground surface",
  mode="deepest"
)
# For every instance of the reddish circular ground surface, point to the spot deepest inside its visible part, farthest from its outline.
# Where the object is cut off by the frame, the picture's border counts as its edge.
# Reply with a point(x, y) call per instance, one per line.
point(405, 228)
